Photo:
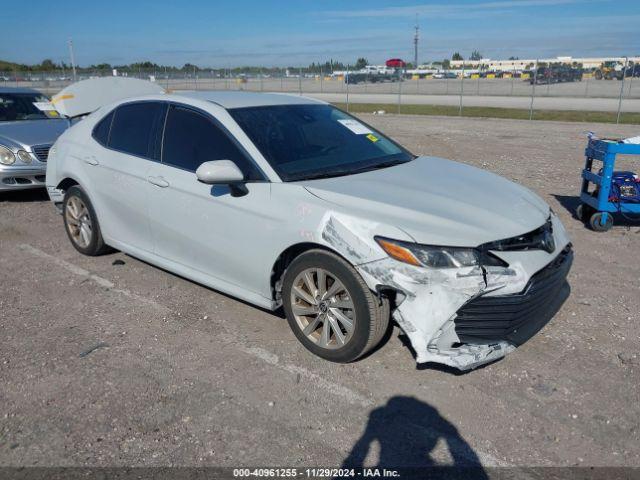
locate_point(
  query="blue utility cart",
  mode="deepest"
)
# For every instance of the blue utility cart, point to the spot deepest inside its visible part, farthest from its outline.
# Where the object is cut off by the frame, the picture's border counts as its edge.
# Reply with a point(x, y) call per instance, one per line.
point(607, 198)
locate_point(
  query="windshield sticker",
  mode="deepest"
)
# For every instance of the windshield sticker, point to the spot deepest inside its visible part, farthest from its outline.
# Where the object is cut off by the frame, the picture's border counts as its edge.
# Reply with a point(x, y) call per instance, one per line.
point(372, 137)
point(355, 126)
point(44, 106)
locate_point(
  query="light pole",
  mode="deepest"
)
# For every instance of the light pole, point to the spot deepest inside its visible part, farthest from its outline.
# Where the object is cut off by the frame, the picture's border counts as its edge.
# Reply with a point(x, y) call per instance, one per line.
point(624, 73)
point(73, 59)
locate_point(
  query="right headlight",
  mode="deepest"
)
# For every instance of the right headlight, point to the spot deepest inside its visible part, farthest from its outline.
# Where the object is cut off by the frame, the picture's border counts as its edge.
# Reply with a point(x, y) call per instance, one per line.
point(434, 256)
point(7, 157)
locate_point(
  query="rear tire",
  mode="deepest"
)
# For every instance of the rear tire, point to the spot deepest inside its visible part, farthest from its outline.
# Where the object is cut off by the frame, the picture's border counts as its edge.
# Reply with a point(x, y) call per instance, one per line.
point(584, 212)
point(81, 223)
point(330, 308)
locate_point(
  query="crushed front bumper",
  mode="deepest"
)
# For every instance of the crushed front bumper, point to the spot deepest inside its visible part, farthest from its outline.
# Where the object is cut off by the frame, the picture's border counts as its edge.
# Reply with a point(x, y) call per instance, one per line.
point(471, 316)
point(515, 318)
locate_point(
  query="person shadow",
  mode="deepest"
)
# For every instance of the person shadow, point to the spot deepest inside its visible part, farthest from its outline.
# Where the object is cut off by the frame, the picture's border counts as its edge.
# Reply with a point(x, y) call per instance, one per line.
point(407, 431)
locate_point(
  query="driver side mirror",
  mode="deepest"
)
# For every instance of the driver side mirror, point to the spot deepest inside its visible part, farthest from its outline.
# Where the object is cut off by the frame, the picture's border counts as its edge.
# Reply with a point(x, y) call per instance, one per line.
point(223, 172)
point(219, 172)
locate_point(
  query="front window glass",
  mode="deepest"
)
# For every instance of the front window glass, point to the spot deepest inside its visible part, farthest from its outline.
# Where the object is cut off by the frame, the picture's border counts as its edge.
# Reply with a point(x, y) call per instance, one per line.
point(315, 141)
point(19, 106)
point(190, 139)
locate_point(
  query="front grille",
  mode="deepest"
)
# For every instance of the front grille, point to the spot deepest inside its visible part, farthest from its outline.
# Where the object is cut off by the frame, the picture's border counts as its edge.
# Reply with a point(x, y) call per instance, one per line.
point(516, 318)
point(41, 151)
point(539, 239)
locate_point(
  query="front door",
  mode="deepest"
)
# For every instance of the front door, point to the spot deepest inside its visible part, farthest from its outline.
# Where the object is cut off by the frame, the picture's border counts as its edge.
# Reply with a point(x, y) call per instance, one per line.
point(204, 227)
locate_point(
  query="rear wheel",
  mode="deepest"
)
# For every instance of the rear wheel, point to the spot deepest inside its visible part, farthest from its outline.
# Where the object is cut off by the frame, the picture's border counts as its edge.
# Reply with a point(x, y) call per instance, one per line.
point(584, 212)
point(330, 308)
point(81, 223)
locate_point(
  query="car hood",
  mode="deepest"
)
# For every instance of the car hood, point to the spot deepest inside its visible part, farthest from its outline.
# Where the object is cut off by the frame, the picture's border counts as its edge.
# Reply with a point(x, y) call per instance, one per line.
point(437, 201)
point(31, 132)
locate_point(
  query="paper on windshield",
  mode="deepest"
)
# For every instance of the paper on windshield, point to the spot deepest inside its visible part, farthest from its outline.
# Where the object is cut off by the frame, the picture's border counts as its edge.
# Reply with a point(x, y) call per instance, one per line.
point(44, 106)
point(355, 126)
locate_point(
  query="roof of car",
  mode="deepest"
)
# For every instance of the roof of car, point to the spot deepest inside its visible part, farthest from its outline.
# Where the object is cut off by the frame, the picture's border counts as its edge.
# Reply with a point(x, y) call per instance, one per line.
point(18, 90)
point(231, 99)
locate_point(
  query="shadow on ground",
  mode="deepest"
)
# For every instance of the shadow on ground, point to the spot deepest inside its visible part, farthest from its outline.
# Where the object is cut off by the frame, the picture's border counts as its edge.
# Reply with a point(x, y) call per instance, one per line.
point(32, 195)
point(407, 431)
point(570, 203)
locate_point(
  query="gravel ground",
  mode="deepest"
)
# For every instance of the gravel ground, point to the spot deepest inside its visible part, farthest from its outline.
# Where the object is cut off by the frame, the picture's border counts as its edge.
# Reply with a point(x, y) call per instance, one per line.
point(110, 361)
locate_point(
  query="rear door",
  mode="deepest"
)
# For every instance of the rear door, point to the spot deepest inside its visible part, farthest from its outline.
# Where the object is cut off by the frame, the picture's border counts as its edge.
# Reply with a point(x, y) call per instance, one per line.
point(204, 227)
point(128, 144)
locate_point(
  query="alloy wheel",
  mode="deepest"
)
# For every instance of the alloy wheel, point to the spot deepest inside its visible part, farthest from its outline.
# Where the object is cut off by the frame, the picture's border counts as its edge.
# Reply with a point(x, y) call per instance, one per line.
point(79, 222)
point(323, 308)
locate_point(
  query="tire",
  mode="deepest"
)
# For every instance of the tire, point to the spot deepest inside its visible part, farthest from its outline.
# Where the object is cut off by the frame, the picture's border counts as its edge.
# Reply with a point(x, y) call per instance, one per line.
point(81, 223)
point(584, 212)
point(595, 222)
point(319, 313)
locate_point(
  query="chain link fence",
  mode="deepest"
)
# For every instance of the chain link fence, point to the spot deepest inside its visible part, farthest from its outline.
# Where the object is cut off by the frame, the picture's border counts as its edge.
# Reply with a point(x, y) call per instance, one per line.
point(461, 88)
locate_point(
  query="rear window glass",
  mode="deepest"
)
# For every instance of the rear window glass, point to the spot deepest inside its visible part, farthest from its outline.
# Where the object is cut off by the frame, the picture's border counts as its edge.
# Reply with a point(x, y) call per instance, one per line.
point(101, 130)
point(134, 128)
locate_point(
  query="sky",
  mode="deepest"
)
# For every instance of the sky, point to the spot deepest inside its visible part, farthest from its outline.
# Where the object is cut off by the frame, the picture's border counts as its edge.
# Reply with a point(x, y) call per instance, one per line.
point(220, 34)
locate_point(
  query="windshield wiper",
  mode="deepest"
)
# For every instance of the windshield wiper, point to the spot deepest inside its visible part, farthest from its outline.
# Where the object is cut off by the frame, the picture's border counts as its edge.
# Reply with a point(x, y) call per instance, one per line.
point(378, 166)
point(335, 173)
point(350, 171)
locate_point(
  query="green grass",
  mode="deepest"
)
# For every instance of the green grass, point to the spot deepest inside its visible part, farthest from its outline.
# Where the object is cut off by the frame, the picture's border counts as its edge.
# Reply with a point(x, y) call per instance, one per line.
point(491, 112)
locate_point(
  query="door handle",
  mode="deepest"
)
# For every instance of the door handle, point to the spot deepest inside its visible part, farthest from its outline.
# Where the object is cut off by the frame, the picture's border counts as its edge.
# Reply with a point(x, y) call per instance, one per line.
point(158, 181)
point(91, 160)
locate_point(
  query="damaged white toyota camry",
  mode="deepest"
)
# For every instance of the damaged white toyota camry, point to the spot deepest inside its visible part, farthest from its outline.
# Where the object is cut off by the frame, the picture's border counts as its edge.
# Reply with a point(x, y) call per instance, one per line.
point(287, 201)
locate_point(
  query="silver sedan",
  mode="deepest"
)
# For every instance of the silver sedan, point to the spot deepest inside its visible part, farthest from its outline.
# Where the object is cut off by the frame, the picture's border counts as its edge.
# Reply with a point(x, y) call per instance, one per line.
point(26, 135)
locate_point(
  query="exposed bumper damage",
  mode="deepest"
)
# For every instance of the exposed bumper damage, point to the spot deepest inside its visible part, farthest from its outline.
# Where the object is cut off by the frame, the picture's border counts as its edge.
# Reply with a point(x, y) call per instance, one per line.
point(428, 299)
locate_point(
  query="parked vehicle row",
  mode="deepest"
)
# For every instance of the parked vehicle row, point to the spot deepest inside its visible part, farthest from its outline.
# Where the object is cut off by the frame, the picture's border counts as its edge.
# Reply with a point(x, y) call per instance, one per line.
point(366, 77)
point(559, 74)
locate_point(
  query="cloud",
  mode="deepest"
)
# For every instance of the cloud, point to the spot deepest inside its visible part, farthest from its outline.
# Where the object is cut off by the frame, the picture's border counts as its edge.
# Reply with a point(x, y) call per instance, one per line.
point(452, 9)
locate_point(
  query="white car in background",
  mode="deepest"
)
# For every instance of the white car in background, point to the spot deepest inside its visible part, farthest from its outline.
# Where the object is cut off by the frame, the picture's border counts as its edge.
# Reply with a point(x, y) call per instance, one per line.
point(282, 200)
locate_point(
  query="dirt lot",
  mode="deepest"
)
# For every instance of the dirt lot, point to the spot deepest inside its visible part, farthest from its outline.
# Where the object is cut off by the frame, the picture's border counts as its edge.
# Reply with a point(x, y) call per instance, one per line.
point(183, 375)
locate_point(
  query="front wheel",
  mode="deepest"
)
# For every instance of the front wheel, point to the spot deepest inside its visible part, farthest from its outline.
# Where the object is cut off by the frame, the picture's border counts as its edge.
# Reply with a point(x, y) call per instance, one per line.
point(81, 223)
point(598, 224)
point(330, 308)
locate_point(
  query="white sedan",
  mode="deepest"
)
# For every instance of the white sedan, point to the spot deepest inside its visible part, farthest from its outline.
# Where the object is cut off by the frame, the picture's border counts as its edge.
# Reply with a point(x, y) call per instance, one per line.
point(282, 200)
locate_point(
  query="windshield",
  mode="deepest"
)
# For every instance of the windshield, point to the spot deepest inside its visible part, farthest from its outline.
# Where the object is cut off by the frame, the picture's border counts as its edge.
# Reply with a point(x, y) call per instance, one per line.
point(19, 106)
point(302, 142)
